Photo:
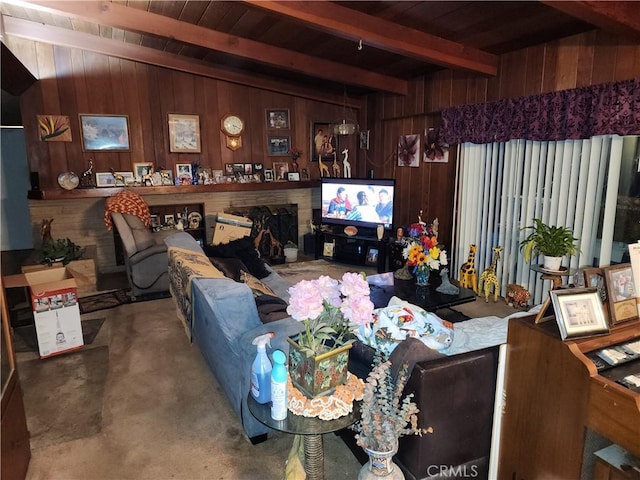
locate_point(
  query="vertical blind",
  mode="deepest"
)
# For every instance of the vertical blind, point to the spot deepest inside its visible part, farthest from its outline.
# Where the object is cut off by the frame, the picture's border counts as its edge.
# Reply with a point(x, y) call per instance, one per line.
point(501, 187)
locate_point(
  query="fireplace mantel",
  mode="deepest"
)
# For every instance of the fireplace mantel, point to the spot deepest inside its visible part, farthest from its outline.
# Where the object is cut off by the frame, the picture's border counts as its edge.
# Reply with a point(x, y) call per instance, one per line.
point(78, 193)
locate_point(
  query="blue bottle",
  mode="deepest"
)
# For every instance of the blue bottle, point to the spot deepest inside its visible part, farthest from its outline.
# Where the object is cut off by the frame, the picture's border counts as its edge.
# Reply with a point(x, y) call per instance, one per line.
point(261, 370)
point(279, 386)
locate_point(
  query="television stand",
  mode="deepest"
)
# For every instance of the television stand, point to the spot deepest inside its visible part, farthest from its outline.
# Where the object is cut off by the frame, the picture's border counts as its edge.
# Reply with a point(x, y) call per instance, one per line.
point(363, 248)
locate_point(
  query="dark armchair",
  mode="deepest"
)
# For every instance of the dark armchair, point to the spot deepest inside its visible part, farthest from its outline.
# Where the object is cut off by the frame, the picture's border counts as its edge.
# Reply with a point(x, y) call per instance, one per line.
point(145, 254)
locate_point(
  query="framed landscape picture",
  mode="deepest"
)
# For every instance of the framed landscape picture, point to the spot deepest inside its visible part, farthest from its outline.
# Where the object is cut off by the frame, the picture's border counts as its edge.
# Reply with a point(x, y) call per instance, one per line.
point(184, 133)
point(104, 133)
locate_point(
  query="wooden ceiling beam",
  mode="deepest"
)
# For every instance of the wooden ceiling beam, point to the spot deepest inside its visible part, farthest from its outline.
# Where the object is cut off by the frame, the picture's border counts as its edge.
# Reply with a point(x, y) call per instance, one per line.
point(128, 18)
point(621, 18)
point(68, 38)
point(350, 24)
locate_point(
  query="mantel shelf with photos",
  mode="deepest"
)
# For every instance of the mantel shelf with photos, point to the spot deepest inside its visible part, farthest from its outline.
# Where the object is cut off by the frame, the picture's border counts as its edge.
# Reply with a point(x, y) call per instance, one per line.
point(60, 194)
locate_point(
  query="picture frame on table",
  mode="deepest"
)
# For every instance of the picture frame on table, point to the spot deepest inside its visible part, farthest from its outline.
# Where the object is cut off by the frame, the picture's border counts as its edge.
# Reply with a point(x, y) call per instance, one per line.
point(140, 169)
point(594, 278)
point(101, 133)
point(184, 133)
point(105, 179)
point(278, 145)
point(621, 293)
point(278, 119)
point(280, 171)
point(293, 176)
point(324, 144)
point(328, 249)
point(579, 312)
point(372, 256)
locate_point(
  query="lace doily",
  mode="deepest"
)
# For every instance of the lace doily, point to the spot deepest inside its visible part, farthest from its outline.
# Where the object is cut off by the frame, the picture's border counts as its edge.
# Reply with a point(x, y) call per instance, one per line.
point(326, 407)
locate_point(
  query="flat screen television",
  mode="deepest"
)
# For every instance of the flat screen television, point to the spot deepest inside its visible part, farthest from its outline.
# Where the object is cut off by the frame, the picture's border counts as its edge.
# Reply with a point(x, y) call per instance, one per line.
point(361, 202)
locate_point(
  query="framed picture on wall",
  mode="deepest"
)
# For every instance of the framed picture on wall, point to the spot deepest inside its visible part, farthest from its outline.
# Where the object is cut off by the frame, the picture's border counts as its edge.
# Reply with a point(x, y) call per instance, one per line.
point(184, 133)
point(278, 145)
point(104, 132)
point(278, 118)
point(324, 144)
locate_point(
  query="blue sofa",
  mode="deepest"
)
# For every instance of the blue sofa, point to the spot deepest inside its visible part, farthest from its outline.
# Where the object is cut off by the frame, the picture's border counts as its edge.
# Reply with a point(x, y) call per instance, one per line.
point(223, 322)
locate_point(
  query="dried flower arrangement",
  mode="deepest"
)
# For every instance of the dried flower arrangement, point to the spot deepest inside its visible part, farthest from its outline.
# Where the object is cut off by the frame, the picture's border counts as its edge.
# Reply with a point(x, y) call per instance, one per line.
point(384, 417)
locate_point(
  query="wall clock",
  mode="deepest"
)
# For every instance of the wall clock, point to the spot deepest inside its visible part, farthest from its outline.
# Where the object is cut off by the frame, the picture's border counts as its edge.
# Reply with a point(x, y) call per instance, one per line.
point(232, 126)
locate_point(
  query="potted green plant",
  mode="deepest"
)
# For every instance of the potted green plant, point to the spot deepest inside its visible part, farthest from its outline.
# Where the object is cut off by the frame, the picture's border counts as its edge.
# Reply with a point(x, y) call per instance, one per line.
point(60, 250)
point(384, 417)
point(550, 241)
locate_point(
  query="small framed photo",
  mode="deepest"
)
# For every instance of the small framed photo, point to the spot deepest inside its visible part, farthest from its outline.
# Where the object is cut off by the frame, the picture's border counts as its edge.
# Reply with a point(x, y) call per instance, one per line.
point(184, 133)
point(166, 177)
point(372, 256)
point(268, 175)
point(278, 145)
point(327, 250)
point(155, 222)
point(104, 132)
point(280, 170)
point(594, 278)
point(579, 312)
point(105, 179)
point(228, 168)
point(184, 173)
point(169, 220)
point(140, 169)
point(293, 176)
point(364, 140)
point(278, 118)
point(248, 168)
point(217, 176)
point(621, 292)
point(304, 175)
point(124, 178)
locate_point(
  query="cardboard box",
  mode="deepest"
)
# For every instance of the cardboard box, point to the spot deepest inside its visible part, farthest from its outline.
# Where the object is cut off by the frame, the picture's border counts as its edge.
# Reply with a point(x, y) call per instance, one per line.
point(82, 271)
point(230, 227)
point(54, 301)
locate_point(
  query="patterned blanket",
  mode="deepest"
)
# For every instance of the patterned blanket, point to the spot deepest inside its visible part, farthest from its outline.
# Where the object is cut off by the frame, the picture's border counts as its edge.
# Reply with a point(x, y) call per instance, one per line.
point(126, 201)
point(184, 266)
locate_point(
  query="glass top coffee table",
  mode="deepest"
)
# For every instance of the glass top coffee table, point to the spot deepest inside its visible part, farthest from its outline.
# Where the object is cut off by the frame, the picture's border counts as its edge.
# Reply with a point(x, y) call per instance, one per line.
point(311, 428)
point(384, 286)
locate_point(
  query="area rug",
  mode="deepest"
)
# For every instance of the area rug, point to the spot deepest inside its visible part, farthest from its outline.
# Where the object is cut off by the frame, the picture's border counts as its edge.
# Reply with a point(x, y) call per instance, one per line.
point(67, 404)
point(296, 271)
point(25, 339)
point(103, 301)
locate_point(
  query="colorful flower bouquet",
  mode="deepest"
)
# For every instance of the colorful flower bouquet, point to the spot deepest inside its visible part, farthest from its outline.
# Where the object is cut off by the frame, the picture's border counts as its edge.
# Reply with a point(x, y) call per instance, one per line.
point(422, 251)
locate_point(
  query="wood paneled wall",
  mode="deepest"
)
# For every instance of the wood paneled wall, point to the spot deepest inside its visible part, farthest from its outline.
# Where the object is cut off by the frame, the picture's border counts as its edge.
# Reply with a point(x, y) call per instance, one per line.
point(74, 81)
point(577, 61)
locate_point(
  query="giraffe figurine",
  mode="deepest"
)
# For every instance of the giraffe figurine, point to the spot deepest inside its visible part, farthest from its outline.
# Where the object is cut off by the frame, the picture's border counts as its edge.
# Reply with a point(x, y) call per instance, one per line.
point(468, 271)
point(489, 277)
point(323, 168)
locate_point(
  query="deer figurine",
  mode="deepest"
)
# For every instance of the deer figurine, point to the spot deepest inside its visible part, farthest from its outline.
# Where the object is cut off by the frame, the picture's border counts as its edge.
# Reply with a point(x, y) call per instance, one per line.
point(45, 231)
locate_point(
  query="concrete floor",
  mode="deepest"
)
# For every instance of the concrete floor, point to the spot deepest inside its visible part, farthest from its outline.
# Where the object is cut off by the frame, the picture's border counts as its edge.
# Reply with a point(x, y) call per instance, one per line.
point(164, 415)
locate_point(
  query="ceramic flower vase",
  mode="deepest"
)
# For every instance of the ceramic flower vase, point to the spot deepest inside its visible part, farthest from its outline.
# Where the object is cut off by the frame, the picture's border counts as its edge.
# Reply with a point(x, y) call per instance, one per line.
point(422, 277)
point(380, 465)
point(319, 375)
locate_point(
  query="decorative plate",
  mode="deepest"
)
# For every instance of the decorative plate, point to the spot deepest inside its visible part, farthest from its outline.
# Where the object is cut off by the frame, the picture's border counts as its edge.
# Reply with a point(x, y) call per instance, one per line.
point(351, 230)
point(68, 180)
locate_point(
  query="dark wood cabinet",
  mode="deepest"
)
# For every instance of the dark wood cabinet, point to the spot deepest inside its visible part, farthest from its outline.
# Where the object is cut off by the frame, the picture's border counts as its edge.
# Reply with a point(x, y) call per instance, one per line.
point(355, 250)
point(16, 449)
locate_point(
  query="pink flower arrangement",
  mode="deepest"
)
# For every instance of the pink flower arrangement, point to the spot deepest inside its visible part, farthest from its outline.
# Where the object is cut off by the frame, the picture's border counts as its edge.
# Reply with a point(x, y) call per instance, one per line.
point(330, 310)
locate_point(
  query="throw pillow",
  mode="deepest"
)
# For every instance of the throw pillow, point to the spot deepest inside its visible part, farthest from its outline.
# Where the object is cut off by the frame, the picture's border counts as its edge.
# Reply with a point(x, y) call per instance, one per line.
point(271, 308)
point(243, 249)
point(231, 267)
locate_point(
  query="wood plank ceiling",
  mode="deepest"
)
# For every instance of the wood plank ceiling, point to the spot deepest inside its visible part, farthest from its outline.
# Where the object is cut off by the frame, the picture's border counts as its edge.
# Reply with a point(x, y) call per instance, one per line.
point(361, 46)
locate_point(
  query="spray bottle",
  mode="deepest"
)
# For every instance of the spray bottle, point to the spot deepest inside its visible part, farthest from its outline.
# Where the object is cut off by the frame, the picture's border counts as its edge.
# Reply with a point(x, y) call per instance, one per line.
point(279, 386)
point(261, 370)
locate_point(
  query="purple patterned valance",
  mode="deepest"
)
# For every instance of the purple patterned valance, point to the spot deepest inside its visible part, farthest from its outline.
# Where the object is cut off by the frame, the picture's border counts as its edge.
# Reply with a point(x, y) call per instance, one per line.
point(611, 108)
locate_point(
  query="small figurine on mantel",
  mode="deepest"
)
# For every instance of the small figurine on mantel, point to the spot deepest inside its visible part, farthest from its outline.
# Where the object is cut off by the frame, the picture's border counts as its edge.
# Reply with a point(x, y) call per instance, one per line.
point(324, 170)
point(336, 167)
point(86, 179)
point(346, 166)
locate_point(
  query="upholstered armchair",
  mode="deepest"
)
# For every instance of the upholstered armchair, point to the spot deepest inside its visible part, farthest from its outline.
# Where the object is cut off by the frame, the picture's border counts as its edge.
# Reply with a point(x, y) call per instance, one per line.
point(145, 254)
